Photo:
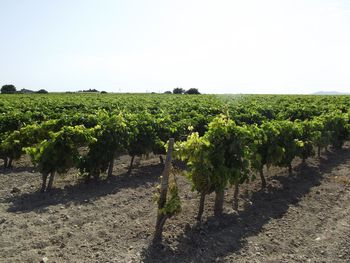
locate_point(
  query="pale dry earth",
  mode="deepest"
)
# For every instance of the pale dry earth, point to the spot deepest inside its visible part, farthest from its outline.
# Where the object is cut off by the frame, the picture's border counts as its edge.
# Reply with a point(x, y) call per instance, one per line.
point(300, 218)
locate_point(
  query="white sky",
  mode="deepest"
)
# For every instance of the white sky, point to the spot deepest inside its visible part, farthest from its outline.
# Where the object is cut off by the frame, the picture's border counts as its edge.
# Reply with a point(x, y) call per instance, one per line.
point(222, 46)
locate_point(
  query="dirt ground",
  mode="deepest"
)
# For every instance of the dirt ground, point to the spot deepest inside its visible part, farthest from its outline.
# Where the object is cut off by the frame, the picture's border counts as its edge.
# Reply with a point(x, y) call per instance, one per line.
point(300, 218)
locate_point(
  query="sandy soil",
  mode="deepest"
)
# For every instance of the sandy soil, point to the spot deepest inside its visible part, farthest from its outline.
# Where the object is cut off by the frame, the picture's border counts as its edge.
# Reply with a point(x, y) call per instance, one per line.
point(300, 218)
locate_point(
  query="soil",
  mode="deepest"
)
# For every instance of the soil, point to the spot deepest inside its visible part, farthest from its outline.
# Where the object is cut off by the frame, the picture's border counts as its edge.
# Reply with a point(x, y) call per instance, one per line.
point(303, 217)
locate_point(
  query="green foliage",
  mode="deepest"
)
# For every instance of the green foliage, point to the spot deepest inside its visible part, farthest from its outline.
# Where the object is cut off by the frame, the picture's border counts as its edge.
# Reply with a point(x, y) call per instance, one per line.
point(322, 136)
point(8, 89)
point(142, 132)
point(60, 152)
point(308, 137)
point(256, 131)
point(337, 124)
point(265, 146)
point(229, 151)
point(178, 91)
point(219, 157)
point(288, 141)
point(192, 91)
point(196, 152)
point(112, 138)
point(12, 145)
point(173, 203)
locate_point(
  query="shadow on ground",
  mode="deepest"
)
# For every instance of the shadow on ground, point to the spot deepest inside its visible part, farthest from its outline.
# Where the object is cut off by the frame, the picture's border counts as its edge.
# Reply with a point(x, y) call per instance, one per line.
point(28, 169)
point(220, 237)
point(84, 193)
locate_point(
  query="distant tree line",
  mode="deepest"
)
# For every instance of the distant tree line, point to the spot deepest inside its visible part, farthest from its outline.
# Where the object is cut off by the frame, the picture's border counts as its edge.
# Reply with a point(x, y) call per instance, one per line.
point(182, 91)
point(11, 89)
point(88, 90)
point(92, 91)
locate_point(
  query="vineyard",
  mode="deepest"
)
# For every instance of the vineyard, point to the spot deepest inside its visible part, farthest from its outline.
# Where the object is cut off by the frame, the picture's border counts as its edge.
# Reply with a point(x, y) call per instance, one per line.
point(73, 151)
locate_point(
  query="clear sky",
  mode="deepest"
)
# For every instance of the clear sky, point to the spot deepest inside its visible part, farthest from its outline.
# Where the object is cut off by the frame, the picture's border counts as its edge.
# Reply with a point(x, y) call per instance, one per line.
point(221, 46)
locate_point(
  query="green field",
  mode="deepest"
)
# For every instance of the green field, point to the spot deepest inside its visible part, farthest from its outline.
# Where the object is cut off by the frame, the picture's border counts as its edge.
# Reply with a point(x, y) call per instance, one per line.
point(224, 139)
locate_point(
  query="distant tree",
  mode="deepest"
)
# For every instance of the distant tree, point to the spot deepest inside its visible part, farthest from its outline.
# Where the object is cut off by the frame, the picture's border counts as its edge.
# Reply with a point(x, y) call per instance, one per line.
point(103, 92)
point(42, 91)
point(168, 92)
point(8, 89)
point(89, 90)
point(178, 90)
point(192, 91)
